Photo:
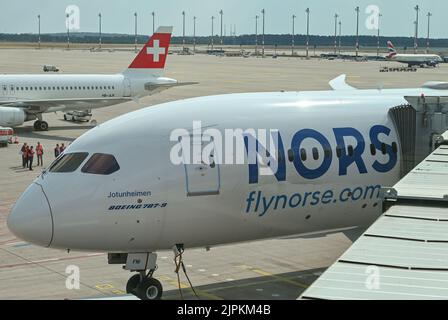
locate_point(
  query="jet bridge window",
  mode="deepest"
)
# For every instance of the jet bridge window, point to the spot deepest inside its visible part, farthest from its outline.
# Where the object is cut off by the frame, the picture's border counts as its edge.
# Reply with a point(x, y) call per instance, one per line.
point(103, 164)
point(68, 162)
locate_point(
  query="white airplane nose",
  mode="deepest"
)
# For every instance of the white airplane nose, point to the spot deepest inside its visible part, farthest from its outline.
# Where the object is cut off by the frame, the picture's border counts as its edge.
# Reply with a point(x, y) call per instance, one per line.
point(30, 218)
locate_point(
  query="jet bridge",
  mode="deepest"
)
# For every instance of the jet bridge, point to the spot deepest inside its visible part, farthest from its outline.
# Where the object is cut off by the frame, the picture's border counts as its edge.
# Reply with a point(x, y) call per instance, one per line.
point(404, 254)
point(420, 125)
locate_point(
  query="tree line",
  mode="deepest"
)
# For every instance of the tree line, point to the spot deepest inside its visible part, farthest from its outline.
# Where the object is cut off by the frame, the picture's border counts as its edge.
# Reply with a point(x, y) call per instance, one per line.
point(245, 40)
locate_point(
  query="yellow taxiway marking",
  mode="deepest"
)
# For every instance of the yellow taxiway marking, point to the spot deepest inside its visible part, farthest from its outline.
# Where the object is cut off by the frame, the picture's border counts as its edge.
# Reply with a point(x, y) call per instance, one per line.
point(183, 285)
point(274, 276)
point(106, 287)
point(280, 278)
point(109, 288)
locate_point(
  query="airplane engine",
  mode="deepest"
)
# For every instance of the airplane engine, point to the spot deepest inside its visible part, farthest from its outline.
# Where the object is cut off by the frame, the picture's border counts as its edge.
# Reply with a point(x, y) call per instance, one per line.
point(12, 117)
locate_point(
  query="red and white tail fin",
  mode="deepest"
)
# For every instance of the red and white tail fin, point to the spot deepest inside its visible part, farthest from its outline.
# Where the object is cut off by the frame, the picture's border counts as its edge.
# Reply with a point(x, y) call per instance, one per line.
point(151, 59)
point(391, 48)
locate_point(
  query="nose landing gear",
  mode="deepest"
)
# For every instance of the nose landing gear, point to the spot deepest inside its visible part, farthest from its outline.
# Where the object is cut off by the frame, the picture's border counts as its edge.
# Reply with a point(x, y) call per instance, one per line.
point(143, 285)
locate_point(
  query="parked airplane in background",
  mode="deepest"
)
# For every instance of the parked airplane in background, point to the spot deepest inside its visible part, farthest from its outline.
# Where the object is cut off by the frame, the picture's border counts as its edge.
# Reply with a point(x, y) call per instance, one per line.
point(26, 97)
point(334, 151)
point(430, 60)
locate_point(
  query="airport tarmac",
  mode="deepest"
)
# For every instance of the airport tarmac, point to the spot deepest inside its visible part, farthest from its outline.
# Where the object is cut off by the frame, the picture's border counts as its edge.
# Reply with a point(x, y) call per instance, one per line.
point(270, 269)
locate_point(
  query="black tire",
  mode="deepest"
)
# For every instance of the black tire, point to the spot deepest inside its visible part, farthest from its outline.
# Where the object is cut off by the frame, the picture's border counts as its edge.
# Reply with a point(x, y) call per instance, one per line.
point(36, 125)
point(43, 126)
point(132, 284)
point(65, 117)
point(149, 289)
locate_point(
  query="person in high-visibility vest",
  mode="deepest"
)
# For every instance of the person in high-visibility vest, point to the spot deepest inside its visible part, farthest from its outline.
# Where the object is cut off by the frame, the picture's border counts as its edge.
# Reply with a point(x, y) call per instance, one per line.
point(40, 153)
point(57, 151)
point(30, 157)
point(24, 153)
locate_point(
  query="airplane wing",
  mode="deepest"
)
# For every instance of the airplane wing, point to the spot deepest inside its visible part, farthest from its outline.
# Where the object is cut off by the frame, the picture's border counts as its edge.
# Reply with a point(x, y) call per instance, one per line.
point(39, 106)
point(404, 254)
point(340, 83)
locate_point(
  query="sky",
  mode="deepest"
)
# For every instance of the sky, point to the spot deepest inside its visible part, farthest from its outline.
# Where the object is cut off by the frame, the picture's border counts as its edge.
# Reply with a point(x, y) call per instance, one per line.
point(20, 16)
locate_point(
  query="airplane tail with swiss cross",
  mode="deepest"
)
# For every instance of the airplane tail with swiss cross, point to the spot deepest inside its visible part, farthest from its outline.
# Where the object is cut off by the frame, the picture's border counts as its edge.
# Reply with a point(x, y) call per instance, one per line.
point(150, 61)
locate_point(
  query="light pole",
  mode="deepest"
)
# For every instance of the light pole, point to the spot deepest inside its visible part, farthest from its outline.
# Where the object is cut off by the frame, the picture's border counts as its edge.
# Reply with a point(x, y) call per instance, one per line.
point(262, 39)
point(336, 16)
point(213, 23)
point(67, 16)
point(153, 22)
point(256, 35)
point(417, 10)
point(378, 36)
point(293, 34)
point(183, 30)
point(135, 40)
point(99, 18)
point(38, 39)
point(307, 31)
point(357, 31)
point(194, 34)
point(340, 36)
point(429, 15)
point(221, 14)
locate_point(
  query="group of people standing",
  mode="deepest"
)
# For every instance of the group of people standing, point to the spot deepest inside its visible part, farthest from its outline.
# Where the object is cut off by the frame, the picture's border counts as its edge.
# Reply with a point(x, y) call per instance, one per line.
point(29, 152)
point(59, 149)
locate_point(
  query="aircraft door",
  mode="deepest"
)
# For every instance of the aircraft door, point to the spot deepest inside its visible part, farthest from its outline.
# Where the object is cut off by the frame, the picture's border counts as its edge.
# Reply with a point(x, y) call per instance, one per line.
point(4, 90)
point(202, 179)
point(12, 89)
point(126, 87)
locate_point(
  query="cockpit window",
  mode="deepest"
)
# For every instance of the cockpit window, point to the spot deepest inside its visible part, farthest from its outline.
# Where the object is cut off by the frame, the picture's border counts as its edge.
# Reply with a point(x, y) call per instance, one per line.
point(103, 164)
point(68, 162)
